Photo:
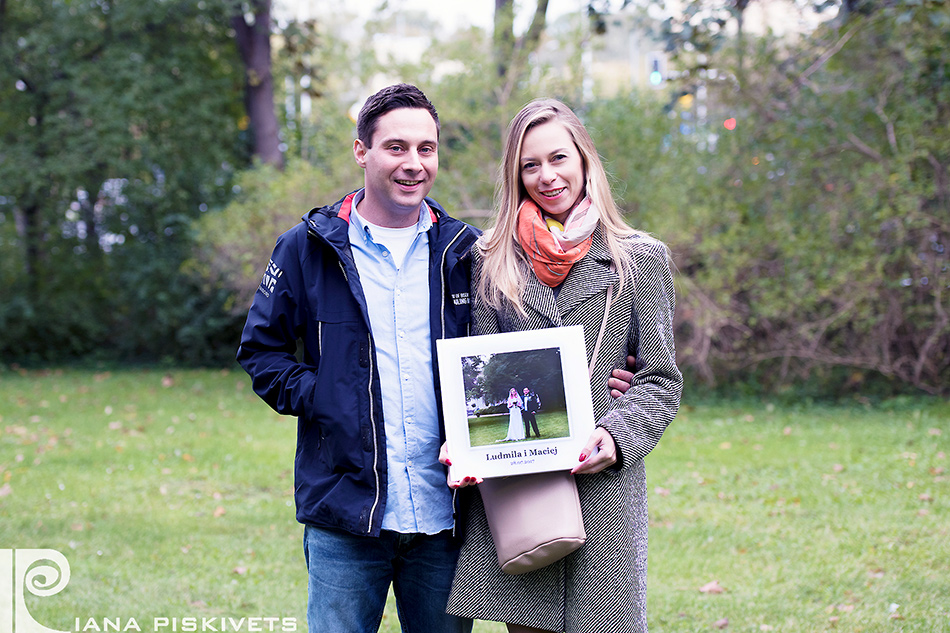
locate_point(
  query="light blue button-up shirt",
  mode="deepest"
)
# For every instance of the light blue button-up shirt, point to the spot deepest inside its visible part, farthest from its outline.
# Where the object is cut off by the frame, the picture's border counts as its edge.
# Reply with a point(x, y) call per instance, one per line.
point(397, 295)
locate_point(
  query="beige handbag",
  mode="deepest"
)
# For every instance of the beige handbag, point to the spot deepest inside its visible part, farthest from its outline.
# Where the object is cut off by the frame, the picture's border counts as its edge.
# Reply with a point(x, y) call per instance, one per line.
point(535, 519)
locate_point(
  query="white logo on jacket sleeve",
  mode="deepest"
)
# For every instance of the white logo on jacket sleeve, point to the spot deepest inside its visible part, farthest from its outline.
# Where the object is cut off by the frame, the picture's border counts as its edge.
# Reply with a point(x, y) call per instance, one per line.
point(271, 275)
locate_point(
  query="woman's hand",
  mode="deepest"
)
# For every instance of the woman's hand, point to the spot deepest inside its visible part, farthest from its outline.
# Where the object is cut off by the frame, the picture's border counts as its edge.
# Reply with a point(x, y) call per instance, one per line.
point(455, 483)
point(599, 453)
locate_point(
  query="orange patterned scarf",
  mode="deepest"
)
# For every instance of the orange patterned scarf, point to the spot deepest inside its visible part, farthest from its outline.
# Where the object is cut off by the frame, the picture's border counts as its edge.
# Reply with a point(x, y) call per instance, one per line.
point(553, 252)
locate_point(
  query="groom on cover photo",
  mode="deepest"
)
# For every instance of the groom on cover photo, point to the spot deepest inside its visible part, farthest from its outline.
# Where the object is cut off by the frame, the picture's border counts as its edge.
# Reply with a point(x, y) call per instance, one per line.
point(532, 404)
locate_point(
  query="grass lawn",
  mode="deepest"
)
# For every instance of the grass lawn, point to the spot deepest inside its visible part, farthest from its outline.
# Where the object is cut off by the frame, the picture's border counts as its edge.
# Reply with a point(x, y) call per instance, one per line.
point(170, 493)
point(488, 429)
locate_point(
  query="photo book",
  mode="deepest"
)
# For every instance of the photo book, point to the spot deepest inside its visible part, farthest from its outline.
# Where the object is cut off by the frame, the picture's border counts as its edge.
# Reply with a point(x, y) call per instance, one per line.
point(515, 403)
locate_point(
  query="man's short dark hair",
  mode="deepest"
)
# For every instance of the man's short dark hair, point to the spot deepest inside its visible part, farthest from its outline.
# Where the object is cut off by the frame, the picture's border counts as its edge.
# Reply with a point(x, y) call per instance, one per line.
point(386, 100)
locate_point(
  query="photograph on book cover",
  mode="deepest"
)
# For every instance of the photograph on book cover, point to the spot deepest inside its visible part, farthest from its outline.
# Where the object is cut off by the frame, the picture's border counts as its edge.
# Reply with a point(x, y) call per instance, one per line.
point(515, 403)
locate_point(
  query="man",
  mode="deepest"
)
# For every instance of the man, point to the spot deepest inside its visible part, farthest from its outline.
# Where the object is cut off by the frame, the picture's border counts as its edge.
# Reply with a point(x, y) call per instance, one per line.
point(532, 404)
point(368, 284)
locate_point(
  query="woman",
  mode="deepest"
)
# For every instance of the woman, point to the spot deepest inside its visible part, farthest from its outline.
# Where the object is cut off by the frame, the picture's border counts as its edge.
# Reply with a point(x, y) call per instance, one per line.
point(558, 242)
point(515, 425)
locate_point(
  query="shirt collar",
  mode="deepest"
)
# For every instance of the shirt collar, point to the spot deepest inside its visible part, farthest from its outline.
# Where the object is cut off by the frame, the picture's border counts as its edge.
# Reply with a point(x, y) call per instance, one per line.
point(350, 202)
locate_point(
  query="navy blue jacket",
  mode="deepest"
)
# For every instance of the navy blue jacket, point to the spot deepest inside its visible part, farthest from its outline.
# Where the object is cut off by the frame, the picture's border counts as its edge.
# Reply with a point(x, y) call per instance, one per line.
point(311, 292)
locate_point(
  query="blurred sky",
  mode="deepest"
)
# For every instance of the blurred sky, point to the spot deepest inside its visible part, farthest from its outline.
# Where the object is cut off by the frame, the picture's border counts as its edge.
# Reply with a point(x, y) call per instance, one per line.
point(451, 13)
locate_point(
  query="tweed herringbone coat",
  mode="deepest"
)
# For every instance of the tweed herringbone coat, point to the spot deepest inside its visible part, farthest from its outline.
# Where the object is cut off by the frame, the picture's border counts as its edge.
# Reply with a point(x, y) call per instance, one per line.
point(600, 588)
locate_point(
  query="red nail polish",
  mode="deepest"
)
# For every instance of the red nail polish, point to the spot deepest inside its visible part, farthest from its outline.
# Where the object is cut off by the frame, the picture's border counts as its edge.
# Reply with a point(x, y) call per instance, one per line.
point(448, 462)
point(582, 457)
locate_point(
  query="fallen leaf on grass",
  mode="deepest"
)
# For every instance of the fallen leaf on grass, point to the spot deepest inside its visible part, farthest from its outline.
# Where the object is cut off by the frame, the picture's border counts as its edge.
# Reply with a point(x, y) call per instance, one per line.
point(5, 490)
point(712, 587)
point(240, 571)
point(663, 492)
point(766, 627)
point(925, 497)
point(167, 381)
point(219, 512)
point(721, 624)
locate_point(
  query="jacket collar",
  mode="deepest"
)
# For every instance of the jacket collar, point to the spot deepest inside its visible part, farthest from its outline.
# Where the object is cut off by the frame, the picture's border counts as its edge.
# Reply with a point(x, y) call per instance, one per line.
point(332, 224)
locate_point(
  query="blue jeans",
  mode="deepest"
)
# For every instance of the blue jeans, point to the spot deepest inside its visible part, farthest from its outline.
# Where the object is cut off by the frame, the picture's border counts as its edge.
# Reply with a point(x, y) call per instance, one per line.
point(350, 577)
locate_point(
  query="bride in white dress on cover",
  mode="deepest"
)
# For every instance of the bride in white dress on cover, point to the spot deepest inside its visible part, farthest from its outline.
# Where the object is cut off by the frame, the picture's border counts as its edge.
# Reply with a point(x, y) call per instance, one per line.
point(515, 425)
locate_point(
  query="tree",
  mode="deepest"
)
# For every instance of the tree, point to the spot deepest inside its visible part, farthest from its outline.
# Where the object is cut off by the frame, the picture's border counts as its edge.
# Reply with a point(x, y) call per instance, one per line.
point(511, 52)
point(811, 234)
point(119, 123)
point(252, 32)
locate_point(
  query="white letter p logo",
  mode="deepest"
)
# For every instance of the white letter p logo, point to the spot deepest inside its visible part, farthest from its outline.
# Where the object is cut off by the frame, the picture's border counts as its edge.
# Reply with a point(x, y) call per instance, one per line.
point(46, 579)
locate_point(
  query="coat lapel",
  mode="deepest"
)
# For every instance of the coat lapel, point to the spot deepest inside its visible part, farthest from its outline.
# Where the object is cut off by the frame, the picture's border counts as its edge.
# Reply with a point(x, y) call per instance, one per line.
point(540, 298)
point(588, 277)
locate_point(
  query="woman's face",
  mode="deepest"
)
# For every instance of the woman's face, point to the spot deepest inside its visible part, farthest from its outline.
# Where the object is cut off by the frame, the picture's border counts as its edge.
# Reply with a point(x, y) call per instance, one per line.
point(552, 169)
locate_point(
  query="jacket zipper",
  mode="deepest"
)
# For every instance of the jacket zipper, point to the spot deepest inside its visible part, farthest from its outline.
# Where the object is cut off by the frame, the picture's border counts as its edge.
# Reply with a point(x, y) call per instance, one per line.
point(442, 335)
point(372, 417)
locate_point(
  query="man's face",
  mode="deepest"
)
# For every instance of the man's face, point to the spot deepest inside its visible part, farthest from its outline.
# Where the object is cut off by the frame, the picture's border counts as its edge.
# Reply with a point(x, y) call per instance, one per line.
point(525, 391)
point(400, 167)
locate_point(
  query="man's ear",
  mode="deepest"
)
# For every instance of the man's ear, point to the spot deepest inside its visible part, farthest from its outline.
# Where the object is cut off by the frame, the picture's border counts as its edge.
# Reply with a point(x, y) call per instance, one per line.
point(359, 152)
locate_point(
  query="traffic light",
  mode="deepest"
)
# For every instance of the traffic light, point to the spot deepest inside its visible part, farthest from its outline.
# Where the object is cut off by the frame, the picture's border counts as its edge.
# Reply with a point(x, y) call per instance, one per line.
point(655, 65)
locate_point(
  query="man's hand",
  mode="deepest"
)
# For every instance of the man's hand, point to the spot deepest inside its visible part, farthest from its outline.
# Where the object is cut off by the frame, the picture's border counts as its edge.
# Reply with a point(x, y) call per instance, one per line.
point(621, 379)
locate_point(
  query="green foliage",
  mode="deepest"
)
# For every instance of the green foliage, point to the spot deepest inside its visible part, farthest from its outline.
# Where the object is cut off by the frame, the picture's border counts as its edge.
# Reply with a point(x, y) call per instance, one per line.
point(233, 245)
point(810, 240)
point(538, 369)
point(119, 125)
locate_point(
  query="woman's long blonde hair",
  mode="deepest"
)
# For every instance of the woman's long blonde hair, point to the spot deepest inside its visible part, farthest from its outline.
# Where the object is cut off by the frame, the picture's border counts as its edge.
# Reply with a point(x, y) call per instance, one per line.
point(503, 274)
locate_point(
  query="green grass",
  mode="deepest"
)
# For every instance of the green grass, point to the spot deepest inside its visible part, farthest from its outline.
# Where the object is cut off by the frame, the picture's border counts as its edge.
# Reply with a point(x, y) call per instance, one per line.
point(488, 429)
point(171, 495)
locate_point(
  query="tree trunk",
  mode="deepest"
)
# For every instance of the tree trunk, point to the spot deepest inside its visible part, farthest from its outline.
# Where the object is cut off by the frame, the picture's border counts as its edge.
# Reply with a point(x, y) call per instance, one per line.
point(504, 36)
point(510, 53)
point(253, 41)
point(32, 238)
